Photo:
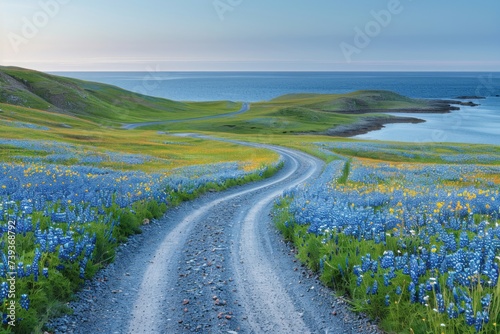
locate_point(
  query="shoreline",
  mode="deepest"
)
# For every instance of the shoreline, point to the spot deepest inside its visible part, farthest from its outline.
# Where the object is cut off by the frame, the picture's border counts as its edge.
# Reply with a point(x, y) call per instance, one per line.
point(370, 124)
point(367, 125)
point(433, 107)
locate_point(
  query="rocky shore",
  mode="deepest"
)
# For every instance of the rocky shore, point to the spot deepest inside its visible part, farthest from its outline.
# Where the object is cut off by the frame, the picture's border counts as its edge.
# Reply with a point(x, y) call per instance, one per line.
point(368, 124)
point(431, 107)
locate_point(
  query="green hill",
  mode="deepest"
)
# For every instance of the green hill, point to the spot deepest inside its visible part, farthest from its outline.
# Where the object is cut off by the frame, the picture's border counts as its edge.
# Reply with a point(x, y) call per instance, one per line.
point(363, 101)
point(333, 114)
point(102, 103)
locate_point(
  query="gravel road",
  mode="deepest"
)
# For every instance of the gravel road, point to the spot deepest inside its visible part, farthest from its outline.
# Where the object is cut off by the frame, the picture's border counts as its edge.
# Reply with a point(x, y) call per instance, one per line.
point(215, 265)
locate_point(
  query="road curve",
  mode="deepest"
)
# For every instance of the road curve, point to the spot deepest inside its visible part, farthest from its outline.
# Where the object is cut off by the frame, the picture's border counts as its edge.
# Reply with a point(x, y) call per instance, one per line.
point(153, 294)
point(244, 108)
point(216, 265)
point(256, 279)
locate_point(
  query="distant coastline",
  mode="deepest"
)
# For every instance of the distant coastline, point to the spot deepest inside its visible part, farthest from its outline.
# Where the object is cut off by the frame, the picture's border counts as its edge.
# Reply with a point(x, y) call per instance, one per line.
point(472, 125)
point(366, 125)
point(264, 86)
point(302, 107)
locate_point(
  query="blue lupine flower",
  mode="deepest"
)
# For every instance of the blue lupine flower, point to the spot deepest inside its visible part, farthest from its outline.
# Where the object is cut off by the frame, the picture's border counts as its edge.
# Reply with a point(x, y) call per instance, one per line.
point(450, 281)
point(433, 258)
point(4, 290)
point(25, 302)
point(387, 260)
point(485, 302)
point(469, 315)
point(440, 303)
point(375, 287)
point(452, 311)
point(486, 317)
point(20, 270)
point(413, 292)
point(361, 213)
point(357, 270)
point(414, 269)
point(366, 263)
point(479, 321)
point(464, 239)
point(421, 294)
point(387, 280)
point(359, 280)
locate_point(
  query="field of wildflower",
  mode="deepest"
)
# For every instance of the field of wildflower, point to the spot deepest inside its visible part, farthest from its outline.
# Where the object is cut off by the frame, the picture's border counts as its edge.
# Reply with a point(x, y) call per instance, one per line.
point(65, 205)
point(414, 244)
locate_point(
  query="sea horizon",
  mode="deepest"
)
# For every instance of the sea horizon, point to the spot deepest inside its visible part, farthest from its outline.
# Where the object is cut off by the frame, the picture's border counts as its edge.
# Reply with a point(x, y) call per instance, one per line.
point(263, 86)
point(254, 86)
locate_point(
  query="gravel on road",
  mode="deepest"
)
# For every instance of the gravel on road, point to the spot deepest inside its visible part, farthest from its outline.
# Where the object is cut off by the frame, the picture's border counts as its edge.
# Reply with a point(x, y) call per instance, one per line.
point(215, 264)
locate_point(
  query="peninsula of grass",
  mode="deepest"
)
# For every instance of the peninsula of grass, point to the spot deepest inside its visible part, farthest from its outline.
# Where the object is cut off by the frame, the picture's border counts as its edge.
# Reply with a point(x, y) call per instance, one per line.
point(329, 114)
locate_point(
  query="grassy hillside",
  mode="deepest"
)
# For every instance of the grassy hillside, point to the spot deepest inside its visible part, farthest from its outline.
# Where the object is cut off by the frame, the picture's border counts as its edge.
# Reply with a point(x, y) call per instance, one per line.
point(314, 113)
point(359, 102)
point(21, 123)
point(101, 103)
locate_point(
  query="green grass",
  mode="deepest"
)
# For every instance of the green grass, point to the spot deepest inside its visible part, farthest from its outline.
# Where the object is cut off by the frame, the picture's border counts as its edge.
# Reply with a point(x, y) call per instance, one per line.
point(303, 113)
point(89, 115)
point(425, 152)
point(173, 150)
point(352, 102)
point(104, 104)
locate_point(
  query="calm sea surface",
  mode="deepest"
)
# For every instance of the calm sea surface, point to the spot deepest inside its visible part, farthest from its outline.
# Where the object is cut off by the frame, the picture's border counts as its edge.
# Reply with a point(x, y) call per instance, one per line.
point(470, 125)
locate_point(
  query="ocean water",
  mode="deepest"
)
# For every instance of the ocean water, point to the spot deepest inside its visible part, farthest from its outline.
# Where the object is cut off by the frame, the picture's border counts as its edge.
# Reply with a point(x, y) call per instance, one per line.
point(470, 125)
point(474, 125)
point(261, 86)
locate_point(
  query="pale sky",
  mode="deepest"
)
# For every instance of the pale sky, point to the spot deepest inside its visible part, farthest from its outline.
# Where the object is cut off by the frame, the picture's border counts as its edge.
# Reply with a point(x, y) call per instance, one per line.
point(248, 35)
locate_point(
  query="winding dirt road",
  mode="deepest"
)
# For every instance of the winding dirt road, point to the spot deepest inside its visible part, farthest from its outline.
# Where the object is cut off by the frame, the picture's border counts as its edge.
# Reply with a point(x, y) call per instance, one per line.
point(217, 265)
